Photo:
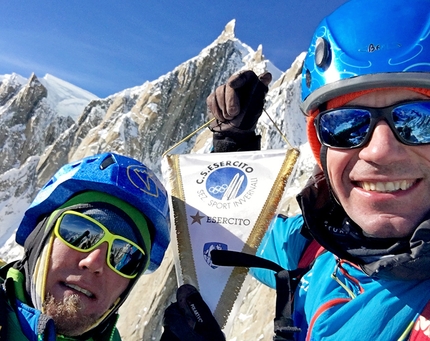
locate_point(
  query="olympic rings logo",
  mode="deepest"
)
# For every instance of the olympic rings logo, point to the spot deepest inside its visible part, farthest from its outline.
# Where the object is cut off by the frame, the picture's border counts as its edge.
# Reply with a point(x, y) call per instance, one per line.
point(217, 189)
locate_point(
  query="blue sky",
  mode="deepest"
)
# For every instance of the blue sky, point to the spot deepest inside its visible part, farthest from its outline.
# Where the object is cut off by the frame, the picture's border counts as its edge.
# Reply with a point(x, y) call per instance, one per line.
point(110, 45)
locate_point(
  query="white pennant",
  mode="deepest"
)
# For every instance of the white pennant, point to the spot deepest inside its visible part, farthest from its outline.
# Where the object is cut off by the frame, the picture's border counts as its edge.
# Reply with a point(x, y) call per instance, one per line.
point(222, 201)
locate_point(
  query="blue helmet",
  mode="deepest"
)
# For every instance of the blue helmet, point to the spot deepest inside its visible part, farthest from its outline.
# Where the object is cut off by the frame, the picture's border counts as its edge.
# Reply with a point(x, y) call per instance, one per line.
point(119, 176)
point(367, 44)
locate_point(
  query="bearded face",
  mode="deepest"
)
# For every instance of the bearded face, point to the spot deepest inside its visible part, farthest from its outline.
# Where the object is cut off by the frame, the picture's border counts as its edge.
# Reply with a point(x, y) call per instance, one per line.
point(80, 288)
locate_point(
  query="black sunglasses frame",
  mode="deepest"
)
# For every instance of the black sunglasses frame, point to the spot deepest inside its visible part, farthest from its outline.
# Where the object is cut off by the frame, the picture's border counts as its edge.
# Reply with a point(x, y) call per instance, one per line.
point(376, 115)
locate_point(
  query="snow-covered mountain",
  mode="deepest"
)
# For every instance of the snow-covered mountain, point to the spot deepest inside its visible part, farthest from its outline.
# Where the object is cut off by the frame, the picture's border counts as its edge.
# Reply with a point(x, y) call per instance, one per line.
point(47, 122)
point(33, 113)
point(64, 98)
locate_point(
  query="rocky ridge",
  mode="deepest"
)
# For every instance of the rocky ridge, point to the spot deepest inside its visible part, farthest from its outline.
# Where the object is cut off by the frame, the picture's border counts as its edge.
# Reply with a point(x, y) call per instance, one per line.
point(142, 122)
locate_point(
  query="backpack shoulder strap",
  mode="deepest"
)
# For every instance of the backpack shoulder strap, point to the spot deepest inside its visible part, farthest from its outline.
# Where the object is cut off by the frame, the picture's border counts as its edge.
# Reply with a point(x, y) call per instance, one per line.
point(310, 254)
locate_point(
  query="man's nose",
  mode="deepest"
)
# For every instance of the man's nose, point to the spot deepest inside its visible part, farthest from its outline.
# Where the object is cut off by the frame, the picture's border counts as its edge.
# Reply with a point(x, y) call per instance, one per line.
point(383, 147)
point(95, 261)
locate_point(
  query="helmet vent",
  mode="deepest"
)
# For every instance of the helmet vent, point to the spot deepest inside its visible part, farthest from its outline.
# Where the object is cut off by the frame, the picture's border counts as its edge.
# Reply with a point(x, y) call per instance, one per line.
point(308, 78)
point(107, 162)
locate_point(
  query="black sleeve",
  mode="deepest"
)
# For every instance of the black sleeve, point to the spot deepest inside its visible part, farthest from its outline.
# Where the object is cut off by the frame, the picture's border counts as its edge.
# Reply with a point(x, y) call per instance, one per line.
point(246, 141)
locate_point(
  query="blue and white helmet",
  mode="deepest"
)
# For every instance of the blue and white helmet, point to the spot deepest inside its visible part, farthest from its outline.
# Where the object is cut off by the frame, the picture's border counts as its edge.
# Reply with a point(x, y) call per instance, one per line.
point(113, 174)
point(368, 44)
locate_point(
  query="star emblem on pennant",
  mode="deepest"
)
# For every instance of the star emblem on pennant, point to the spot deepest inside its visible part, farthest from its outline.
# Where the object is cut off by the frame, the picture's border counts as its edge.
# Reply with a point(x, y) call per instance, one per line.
point(197, 218)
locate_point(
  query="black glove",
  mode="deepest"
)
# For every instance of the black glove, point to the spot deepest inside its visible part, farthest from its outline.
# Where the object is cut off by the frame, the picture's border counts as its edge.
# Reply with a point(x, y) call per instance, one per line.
point(237, 106)
point(190, 319)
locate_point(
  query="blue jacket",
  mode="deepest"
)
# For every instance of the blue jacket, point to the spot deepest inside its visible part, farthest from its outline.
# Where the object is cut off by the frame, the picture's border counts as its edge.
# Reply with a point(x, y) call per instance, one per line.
point(348, 306)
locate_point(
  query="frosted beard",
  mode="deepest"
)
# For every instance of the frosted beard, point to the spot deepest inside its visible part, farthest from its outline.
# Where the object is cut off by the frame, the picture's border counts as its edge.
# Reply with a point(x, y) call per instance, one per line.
point(68, 315)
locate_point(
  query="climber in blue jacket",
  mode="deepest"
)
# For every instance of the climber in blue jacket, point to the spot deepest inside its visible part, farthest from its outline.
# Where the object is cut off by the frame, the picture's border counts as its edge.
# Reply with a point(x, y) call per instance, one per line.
point(366, 96)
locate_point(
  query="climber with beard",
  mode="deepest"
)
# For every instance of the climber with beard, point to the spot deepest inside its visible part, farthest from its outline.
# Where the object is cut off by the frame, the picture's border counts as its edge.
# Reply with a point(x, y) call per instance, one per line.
point(89, 234)
point(365, 211)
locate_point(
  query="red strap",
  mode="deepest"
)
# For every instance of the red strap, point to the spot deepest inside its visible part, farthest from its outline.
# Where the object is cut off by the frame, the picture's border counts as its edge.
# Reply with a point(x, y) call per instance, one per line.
point(421, 330)
point(313, 250)
point(326, 306)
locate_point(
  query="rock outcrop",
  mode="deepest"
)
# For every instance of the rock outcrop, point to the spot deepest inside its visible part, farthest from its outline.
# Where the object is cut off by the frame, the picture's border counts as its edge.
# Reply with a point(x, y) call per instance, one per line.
point(143, 122)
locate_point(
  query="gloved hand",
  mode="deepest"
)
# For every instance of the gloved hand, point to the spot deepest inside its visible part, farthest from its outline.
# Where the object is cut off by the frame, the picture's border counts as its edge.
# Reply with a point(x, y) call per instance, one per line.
point(190, 319)
point(237, 106)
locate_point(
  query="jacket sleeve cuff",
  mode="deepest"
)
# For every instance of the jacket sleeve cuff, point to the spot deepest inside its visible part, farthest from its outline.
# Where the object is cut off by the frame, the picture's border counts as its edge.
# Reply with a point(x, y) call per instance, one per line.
point(245, 141)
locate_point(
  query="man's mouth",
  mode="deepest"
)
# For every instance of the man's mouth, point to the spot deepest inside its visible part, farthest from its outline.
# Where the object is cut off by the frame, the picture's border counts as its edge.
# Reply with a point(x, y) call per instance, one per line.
point(77, 288)
point(386, 187)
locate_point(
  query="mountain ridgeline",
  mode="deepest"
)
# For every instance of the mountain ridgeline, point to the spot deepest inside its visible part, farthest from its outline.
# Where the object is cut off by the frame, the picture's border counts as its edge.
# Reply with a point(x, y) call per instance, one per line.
point(46, 123)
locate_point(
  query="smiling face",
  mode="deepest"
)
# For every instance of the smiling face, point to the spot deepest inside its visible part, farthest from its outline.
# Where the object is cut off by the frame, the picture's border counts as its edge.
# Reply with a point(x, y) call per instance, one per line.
point(384, 186)
point(80, 287)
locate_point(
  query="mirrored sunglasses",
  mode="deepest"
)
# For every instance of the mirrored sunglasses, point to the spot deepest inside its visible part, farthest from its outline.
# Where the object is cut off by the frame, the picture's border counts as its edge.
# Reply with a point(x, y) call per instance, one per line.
point(83, 233)
point(352, 126)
